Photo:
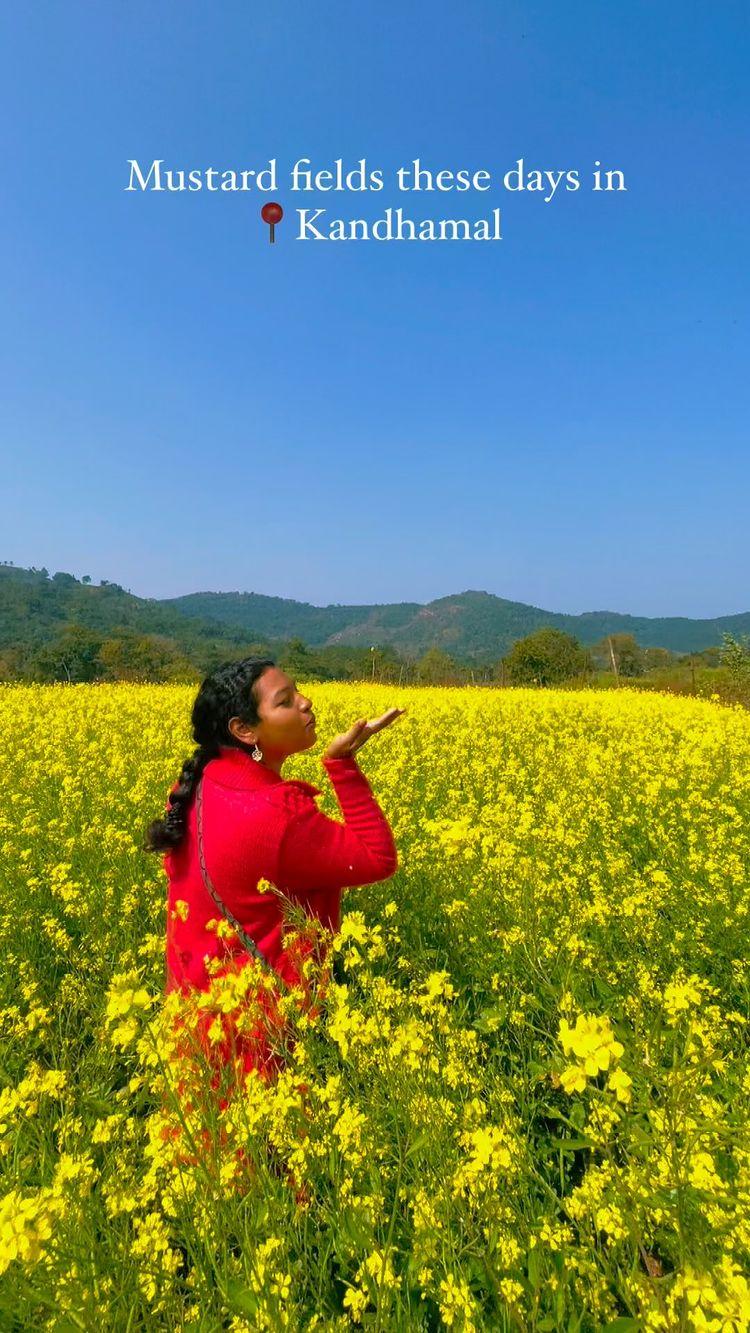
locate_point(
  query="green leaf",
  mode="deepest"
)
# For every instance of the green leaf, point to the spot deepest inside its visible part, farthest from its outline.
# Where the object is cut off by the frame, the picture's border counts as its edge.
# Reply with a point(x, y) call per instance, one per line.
point(420, 1141)
point(534, 1268)
point(565, 1145)
point(490, 1019)
point(578, 1115)
point(238, 1295)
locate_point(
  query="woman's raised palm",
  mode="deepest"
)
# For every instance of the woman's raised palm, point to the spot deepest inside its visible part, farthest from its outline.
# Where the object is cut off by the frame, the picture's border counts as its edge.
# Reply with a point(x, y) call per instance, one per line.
point(343, 746)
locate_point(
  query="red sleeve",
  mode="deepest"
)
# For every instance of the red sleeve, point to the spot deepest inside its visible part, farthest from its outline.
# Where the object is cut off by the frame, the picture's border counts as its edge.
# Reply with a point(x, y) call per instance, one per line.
point(317, 852)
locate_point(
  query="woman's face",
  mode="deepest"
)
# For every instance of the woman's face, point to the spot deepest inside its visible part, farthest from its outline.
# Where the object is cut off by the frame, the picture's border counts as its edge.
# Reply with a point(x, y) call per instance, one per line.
point(287, 722)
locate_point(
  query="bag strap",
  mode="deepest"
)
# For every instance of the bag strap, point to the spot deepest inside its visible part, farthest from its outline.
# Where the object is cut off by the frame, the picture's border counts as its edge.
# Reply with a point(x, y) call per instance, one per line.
point(248, 942)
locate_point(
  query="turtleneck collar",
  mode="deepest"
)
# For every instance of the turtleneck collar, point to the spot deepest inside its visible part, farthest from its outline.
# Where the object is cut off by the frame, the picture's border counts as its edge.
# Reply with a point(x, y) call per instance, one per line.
point(237, 768)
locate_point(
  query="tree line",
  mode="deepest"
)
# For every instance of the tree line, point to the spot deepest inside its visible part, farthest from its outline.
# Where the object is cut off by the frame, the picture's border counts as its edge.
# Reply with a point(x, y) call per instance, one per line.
point(547, 657)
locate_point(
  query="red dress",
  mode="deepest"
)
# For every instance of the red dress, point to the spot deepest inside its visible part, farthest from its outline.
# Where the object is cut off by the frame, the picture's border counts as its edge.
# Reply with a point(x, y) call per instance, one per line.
point(260, 826)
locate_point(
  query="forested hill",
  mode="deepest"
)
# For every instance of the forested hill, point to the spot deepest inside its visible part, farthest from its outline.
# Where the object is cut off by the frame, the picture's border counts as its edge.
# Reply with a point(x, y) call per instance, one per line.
point(472, 626)
point(35, 608)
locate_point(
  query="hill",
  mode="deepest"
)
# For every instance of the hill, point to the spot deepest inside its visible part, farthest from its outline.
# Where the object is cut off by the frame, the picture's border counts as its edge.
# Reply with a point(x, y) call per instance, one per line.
point(35, 606)
point(474, 626)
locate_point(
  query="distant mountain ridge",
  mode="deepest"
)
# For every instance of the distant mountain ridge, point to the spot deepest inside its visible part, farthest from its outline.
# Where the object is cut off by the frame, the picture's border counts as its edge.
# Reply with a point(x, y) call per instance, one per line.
point(472, 626)
point(469, 624)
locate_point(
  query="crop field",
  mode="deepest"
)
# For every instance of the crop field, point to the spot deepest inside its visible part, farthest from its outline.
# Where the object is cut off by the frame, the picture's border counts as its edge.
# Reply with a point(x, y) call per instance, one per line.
point(523, 1100)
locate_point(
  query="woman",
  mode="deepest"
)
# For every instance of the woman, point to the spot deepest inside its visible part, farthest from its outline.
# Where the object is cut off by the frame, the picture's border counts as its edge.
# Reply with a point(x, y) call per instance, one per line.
point(260, 832)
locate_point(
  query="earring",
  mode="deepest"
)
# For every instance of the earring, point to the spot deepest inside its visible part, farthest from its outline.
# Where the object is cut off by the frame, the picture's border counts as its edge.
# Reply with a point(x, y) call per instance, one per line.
point(256, 753)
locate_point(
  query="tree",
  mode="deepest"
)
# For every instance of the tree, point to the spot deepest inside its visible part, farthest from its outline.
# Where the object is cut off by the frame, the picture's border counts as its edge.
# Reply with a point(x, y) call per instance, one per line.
point(620, 653)
point(735, 656)
point(73, 656)
point(435, 667)
point(385, 662)
point(546, 657)
point(133, 656)
point(628, 654)
point(11, 663)
point(295, 659)
point(654, 658)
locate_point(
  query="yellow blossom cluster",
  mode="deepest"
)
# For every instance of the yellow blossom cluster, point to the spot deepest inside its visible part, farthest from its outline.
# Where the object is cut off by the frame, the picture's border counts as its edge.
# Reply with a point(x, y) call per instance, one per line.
point(596, 1049)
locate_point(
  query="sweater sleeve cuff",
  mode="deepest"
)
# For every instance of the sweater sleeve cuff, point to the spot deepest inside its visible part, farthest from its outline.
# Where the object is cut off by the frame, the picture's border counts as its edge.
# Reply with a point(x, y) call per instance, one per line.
point(342, 764)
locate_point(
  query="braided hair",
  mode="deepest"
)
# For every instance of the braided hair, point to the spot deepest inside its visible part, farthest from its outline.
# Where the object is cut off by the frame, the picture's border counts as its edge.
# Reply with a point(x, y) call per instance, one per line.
point(228, 692)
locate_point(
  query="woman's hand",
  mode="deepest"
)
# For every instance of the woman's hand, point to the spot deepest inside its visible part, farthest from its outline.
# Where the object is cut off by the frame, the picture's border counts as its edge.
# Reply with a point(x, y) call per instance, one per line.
point(344, 746)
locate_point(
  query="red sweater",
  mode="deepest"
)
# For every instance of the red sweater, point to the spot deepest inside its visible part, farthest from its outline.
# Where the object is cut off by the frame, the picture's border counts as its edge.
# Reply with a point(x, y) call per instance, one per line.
point(258, 825)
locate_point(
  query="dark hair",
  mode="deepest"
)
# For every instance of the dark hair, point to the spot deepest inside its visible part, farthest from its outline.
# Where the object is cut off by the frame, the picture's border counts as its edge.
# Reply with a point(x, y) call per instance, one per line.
point(228, 692)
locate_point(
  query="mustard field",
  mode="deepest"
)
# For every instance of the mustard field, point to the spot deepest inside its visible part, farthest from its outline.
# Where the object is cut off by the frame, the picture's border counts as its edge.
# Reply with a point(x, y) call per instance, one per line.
point(522, 1101)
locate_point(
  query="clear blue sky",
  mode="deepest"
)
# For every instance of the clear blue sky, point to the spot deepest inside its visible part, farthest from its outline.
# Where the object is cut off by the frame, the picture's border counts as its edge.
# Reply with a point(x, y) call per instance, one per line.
point(559, 417)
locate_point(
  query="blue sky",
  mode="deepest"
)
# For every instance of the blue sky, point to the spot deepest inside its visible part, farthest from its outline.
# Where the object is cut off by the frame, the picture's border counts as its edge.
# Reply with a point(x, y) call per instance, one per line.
point(558, 418)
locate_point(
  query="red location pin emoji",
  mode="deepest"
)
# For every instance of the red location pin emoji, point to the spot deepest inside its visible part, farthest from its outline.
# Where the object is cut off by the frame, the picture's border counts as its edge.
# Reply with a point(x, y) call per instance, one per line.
point(272, 213)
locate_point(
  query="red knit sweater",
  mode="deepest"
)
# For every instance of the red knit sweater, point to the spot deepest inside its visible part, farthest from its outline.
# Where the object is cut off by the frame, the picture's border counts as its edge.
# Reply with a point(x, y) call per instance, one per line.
point(258, 825)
